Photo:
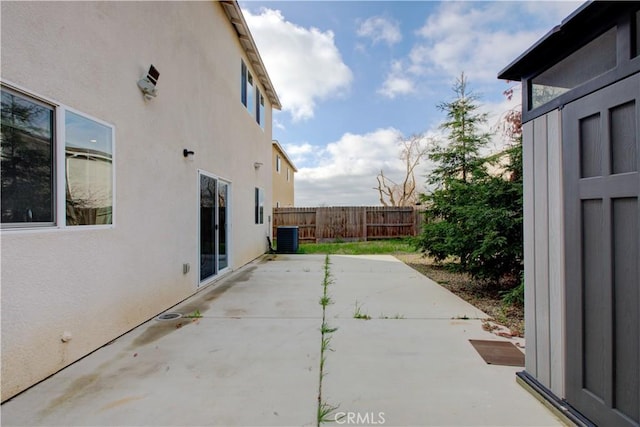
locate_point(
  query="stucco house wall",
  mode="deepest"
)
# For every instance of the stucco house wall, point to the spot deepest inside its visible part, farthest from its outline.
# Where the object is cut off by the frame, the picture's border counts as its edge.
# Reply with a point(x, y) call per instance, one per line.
point(96, 283)
point(283, 177)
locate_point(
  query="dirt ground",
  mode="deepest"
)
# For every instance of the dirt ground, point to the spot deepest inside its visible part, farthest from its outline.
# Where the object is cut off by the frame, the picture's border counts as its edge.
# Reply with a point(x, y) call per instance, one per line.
point(487, 299)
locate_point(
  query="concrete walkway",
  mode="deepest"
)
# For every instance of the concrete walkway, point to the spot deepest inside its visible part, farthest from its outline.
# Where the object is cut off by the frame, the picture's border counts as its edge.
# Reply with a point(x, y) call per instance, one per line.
point(253, 358)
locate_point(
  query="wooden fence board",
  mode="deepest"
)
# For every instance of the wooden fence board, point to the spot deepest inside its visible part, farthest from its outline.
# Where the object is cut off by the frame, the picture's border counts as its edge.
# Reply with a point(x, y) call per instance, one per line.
point(349, 223)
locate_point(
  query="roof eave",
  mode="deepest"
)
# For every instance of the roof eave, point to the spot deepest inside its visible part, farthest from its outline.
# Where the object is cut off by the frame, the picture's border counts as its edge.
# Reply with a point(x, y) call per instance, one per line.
point(236, 18)
point(518, 68)
point(284, 154)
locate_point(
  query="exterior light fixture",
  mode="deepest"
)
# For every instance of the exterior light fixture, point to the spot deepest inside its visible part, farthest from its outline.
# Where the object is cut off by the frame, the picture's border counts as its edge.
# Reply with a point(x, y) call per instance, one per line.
point(148, 83)
point(187, 152)
point(257, 165)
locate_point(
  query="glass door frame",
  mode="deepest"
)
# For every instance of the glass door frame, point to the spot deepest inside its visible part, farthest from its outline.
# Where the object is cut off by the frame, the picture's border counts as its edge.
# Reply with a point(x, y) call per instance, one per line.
point(225, 228)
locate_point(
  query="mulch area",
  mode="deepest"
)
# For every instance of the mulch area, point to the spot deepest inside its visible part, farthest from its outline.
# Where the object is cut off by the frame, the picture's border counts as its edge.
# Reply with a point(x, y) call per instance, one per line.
point(485, 297)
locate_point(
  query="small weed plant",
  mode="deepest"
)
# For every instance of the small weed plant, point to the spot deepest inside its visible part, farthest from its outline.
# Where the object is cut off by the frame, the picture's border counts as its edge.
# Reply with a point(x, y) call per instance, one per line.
point(325, 410)
point(358, 314)
point(195, 315)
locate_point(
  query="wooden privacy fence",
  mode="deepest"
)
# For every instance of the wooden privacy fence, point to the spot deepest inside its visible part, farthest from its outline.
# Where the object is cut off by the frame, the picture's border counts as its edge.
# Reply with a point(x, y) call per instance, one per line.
point(353, 223)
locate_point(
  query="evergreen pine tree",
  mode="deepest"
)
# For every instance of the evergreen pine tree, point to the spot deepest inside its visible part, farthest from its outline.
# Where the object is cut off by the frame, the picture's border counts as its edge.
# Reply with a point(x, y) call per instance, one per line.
point(459, 158)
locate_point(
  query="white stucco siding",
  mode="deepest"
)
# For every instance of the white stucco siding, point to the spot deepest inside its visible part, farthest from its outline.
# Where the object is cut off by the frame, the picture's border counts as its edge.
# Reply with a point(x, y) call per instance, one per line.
point(99, 283)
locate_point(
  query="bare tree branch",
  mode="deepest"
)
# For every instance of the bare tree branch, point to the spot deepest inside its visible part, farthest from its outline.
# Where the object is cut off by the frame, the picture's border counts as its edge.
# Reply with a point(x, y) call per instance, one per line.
point(412, 151)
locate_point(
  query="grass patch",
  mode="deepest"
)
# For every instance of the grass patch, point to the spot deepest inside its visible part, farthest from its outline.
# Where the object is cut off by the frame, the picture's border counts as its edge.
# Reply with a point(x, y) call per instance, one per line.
point(373, 247)
point(326, 413)
point(195, 315)
point(358, 314)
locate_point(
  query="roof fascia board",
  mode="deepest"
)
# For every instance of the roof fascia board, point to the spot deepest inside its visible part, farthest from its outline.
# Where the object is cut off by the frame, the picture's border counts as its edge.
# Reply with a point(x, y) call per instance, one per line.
point(515, 70)
point(238, 22)
point(284, 154)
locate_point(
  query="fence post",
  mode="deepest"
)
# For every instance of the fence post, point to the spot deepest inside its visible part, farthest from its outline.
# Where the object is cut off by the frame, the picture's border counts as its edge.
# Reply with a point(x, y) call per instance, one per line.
point(417, 221)
point(364, 224)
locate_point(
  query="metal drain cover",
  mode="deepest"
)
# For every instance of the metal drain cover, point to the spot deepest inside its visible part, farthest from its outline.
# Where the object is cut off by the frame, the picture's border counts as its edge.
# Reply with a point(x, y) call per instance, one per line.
point(169, 316)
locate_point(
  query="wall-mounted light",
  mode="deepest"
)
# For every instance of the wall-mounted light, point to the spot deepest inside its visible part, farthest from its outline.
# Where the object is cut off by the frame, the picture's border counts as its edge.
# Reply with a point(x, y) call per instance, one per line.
point(148, 83)
point(257, 165)
point(187, 152)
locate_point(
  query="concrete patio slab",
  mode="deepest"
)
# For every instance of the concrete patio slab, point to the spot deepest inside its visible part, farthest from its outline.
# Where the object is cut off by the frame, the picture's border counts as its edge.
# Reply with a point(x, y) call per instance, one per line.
point(383, 286)
point(424, 373)
point(253, 358)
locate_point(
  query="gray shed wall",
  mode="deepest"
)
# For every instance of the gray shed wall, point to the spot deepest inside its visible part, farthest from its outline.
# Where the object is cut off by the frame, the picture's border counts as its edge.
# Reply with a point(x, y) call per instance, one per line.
point(544, 250)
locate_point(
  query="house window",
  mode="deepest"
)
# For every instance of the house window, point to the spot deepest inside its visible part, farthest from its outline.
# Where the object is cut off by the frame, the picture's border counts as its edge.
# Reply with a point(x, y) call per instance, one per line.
point(250, 93)
point(33, 154)
point(251, 96)
point(247, 88)
point(259, 210)
point(28, 161)
point(278, 163)
point(260, 108)
point(89, 171)
point(288, 174)
point(243, 83)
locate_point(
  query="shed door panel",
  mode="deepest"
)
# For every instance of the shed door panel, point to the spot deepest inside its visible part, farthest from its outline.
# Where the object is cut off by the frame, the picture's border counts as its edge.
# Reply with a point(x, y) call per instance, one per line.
point(602, 222)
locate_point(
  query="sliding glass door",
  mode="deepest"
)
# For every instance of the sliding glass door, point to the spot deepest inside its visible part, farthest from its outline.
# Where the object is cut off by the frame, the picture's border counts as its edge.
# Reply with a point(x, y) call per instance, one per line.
point(214, 196)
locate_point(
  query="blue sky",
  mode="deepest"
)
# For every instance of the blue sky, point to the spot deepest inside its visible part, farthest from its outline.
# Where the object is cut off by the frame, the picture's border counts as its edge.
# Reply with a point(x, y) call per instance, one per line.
point(354, 76)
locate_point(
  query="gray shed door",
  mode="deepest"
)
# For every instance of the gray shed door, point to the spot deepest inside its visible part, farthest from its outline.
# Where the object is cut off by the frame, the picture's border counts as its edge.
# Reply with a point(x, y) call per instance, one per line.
point(601, 163)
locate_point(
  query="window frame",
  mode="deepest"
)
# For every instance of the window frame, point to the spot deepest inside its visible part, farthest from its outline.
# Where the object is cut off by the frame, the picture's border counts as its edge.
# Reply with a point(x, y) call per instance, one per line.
point(59, 164)
point(54, 158)
point(251, 93)
point(113, 174)
point(260, 108)
point(259, 206)
point(251, 96)
point(278, 163)
point(243, 83)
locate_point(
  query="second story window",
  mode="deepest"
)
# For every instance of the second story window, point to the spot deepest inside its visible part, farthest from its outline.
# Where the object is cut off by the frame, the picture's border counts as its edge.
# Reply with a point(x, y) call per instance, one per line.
point(243, 83)
point(278, 164)
point(260, 108)
point(250, 95)
point(247, 92)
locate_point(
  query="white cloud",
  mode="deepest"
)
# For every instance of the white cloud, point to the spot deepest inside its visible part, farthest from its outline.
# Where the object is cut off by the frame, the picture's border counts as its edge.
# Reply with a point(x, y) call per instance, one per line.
point(277, 124)
point(300, 154)
point(477, 38)
point(304, 64)
point(344, 172)
point(380, 29)
point(398, 82)
point(557, 9)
